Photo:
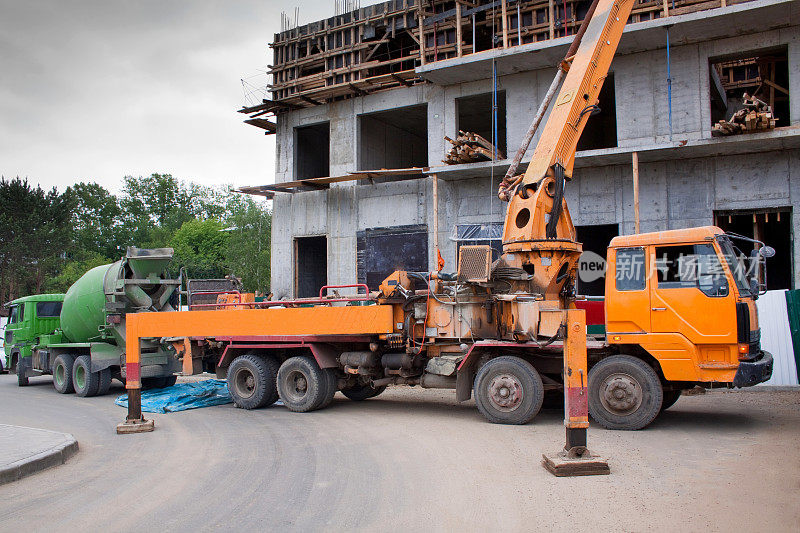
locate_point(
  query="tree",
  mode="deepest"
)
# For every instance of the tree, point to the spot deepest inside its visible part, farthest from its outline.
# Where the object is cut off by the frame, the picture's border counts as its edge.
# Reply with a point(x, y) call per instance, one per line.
point(96, 222)
point(155, 207)
point(35, 234)
point(249, 228)
point(200, 247)
point(73, 270)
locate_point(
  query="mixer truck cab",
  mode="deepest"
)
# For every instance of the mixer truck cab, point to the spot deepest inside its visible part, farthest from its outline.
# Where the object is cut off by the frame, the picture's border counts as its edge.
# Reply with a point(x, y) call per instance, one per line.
point(683, 302)
point(29, 318)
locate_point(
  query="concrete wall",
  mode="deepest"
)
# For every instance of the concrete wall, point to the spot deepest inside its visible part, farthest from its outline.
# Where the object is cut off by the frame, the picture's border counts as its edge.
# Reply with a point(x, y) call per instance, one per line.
point(674, 193)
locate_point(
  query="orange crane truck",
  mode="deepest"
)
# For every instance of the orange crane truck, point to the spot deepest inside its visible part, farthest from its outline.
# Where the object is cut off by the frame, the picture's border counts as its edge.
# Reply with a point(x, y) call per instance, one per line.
point(503, 332)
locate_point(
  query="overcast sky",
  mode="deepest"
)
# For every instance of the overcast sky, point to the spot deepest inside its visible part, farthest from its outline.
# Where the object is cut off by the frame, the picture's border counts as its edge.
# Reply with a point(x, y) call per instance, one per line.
point(96, 90)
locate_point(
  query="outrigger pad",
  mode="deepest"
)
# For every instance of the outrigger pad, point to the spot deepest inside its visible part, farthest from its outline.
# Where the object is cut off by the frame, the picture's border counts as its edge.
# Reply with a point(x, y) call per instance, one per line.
point(135, 426)
point(578, 461)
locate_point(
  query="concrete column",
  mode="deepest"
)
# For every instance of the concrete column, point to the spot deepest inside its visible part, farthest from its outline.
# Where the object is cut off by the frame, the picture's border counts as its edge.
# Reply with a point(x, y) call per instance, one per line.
point(794, 82)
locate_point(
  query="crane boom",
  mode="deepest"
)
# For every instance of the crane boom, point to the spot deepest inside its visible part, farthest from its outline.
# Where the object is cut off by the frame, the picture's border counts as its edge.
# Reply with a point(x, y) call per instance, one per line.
point(539, 235)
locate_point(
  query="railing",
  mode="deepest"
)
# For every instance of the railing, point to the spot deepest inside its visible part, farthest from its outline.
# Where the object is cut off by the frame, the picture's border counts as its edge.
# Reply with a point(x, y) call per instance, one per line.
point(322, 300)
point(216, 293)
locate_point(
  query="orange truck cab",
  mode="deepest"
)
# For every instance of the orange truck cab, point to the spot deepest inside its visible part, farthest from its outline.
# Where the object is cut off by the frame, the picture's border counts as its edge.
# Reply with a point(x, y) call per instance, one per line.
point(684, 301)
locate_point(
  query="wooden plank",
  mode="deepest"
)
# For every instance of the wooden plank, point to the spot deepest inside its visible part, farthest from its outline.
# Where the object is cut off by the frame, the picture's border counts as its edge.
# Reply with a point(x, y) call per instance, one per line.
point(459, 36)
point(504, 24)
point(421, 41)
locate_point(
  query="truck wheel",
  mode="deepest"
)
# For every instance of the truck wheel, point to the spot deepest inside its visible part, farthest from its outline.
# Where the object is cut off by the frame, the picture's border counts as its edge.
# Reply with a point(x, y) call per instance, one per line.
point(251, 381)
point(330, 384)
point(169, 381)
point(624, 393)
point(62, 373)
point(363, 392)
point(104, 381)
point(302, 384)
point(670, 397)
point(508, 390)
point(85, 382)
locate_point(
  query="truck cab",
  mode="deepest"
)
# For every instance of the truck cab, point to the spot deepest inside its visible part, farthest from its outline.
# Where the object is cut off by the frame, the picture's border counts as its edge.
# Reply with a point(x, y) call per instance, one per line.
point(685, 300)
point(29, 318)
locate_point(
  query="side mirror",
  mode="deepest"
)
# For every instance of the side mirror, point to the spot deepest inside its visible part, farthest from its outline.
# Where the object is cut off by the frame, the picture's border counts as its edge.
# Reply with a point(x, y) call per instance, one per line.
point(766, 251)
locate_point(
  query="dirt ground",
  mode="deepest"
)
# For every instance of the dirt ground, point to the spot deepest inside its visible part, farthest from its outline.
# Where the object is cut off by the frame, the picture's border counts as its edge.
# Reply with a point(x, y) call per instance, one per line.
point(410, 459)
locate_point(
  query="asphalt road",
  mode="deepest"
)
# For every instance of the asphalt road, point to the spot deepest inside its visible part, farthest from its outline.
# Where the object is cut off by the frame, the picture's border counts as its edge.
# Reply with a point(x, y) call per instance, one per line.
point(408, 460)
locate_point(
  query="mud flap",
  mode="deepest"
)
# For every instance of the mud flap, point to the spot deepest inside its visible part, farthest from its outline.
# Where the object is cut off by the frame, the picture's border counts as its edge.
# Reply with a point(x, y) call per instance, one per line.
point(464, 380)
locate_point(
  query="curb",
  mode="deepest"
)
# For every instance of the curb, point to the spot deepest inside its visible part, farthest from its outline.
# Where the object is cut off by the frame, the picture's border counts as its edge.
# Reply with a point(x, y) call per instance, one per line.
point(55, 456)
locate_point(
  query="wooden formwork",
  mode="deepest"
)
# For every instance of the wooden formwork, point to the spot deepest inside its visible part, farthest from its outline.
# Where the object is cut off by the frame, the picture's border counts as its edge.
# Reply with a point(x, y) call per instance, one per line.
point(378, 47)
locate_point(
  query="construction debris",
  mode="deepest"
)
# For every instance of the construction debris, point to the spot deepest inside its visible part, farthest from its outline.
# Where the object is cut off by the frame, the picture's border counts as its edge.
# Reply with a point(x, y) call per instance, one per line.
point(470, 147)
point(755, 116)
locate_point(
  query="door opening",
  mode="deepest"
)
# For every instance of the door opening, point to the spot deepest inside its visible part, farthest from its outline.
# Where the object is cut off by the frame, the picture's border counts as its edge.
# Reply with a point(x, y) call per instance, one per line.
point(310, 266)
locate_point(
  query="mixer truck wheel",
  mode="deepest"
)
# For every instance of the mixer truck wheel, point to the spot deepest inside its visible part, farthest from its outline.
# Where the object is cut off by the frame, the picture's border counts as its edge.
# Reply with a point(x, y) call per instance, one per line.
point(169, 381)
point(508, 390)
point(363, 392)
point(302, 384)
point(251, 381)
point(22, 377)
point(105, 381)
point(85, 382)
point(62, 373)
point(624, 393)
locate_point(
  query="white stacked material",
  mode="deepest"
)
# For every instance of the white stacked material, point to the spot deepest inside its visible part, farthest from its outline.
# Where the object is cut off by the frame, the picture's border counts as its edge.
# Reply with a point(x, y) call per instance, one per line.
point(776, 337)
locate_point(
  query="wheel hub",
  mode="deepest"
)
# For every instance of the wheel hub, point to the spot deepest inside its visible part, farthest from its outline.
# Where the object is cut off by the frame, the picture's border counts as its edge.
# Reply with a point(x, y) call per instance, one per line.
point(621, 394)
point(505, 392)
point(245, 383)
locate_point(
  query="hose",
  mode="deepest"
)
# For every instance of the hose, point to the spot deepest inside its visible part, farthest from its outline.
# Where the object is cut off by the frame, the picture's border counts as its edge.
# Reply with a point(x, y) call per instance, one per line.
point(558, 198)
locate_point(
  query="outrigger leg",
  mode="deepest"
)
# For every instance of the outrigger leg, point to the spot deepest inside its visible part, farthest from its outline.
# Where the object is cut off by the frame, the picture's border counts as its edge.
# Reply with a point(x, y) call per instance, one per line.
point(134, 422)
point(575, 459)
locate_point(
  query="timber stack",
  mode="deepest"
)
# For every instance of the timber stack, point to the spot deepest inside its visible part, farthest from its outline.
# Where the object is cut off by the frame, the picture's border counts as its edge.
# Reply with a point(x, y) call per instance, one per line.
point(470, 147)
point(755, 116)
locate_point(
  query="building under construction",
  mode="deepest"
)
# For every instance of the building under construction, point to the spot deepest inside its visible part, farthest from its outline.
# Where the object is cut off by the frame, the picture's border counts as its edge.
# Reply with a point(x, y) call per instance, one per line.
point(395, 121)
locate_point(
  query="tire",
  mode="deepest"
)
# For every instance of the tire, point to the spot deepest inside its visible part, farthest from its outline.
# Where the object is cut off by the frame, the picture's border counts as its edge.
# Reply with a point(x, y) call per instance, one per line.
point(104, 382)
point(670, 397)
point(362, 392)
point(22, 379)
point(251, 381)
point(169, 381)
point(84, 381)
point(330, 384)
point(302, 384)
point(508, 390)
point(624, 393)
point(62, 373)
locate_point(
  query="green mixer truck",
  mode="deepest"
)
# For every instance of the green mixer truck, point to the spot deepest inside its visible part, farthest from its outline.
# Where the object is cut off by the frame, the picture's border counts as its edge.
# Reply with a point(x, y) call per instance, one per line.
point(79, 337)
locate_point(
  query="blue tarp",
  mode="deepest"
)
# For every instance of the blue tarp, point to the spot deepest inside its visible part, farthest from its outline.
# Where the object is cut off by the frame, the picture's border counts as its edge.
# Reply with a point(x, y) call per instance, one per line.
point(183, 396)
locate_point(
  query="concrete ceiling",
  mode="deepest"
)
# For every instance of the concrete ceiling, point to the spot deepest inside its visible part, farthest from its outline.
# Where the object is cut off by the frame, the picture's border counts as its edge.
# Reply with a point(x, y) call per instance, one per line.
point(701, 26)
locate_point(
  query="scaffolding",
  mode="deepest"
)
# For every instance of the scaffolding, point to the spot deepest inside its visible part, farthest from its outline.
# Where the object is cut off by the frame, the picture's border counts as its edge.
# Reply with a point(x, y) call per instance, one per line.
point(378, 47)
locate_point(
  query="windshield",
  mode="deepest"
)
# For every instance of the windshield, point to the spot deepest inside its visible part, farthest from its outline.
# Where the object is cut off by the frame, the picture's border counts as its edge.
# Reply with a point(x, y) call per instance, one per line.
point(737, 262)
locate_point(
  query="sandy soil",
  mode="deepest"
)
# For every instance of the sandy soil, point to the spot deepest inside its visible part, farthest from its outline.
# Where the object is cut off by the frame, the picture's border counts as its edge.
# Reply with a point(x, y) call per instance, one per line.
point(409, 459)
